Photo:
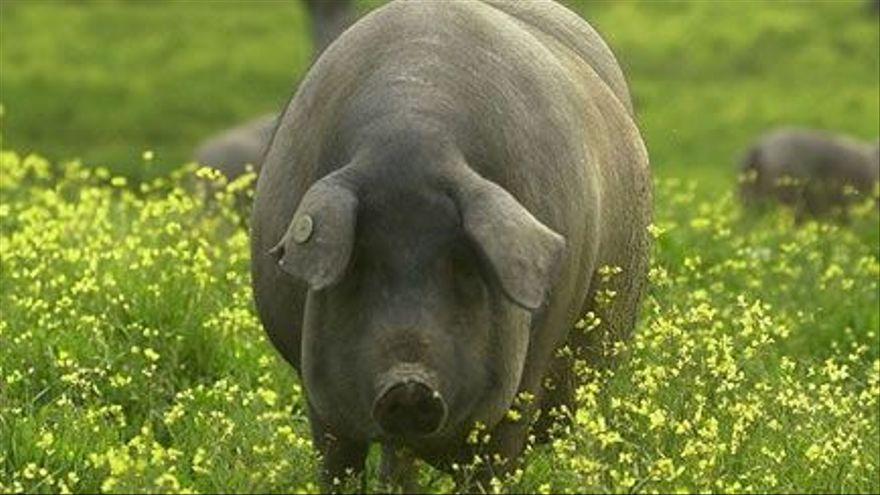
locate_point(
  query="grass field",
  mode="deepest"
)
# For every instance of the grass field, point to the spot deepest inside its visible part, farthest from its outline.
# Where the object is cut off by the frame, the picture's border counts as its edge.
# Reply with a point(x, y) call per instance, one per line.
point(130, 355)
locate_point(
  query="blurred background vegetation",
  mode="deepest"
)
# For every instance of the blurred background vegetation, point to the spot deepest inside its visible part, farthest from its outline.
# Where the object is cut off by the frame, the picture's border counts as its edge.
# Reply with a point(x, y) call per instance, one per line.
point(105, 80)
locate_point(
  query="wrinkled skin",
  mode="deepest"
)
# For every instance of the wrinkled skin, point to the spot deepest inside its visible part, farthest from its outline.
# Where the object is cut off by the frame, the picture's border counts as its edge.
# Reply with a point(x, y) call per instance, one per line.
point(232, 150)
point(430, 219)
point(809, 171)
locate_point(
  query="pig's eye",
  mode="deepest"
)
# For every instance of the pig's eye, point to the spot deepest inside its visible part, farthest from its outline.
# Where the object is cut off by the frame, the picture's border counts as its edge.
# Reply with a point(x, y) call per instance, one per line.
point(468, 280)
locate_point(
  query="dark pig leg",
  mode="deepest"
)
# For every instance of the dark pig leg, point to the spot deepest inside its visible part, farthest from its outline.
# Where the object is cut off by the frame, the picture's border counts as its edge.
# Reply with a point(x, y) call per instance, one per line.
point(329, 19)
point(341, 459)
point(397, 470)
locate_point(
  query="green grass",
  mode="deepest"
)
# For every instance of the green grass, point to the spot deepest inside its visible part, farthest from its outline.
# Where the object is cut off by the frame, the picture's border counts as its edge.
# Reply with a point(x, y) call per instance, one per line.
point(103, 81)
point(130, 356)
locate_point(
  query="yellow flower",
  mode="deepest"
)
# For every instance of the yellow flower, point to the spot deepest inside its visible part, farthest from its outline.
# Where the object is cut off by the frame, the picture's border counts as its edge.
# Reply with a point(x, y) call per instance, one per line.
point(656, 419)
point(150, 354)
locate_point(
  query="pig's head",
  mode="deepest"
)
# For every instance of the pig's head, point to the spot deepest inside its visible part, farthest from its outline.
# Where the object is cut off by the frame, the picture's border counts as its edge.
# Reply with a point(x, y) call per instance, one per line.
point(422, 293)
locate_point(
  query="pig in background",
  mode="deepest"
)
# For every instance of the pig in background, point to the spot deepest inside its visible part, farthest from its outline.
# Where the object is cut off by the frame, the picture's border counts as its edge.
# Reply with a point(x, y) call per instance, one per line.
point(452, 187)
point(329, 20)
point(815, 172)
point(231, 151)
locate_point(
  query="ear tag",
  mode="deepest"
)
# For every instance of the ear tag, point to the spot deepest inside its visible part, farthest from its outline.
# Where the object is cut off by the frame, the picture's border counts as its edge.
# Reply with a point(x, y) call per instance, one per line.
point(302, 228)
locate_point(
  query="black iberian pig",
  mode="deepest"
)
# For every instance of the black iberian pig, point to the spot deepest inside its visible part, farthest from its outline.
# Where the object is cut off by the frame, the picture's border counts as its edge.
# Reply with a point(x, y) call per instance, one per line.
point(430, 222)
point(815, 172)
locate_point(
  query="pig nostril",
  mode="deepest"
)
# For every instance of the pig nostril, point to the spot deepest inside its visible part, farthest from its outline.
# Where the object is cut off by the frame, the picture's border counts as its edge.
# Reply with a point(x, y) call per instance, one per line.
point(410, 408)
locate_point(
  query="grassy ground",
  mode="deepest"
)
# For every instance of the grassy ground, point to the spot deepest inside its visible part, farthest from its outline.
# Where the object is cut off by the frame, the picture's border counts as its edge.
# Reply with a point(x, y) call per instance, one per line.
point(104, 81)
point(756, 365)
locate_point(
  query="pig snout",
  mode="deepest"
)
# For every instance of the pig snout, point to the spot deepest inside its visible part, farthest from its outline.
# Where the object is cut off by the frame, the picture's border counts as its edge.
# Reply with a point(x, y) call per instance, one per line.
point(409, 404)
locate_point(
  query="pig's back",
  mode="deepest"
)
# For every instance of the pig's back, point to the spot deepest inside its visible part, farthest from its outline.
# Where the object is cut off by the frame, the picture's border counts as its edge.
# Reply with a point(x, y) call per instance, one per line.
point(565, 31)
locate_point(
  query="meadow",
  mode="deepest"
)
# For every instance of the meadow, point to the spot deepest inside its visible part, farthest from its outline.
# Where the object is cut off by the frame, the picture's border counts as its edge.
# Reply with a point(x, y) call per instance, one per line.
point(131, 359)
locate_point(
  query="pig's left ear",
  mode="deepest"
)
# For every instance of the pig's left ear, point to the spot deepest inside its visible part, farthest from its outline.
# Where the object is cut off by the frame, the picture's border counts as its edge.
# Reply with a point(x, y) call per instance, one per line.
point(318, 243)
point(523, 252)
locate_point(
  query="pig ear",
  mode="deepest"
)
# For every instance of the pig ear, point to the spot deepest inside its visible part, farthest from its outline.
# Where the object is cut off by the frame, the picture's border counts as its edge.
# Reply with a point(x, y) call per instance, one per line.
point(318, 243)
point(523, 253)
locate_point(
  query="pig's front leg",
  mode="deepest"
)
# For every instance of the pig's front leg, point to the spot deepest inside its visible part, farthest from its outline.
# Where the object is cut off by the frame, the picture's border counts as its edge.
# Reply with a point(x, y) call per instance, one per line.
point(342, 459)
point(398, 470)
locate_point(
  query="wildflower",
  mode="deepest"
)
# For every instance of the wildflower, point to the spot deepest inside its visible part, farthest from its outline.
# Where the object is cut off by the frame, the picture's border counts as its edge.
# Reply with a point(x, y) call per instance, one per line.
point(151, 354)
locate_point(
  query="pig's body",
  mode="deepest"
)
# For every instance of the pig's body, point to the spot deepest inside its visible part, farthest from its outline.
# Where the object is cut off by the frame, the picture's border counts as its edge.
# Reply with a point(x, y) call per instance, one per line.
point(469, 168)
point(233, 150)
point(809, 170)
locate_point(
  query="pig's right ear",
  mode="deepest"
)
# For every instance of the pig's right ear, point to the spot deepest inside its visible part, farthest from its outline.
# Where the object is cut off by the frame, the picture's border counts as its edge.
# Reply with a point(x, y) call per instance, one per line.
point(524, 254)
point(318, 243)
